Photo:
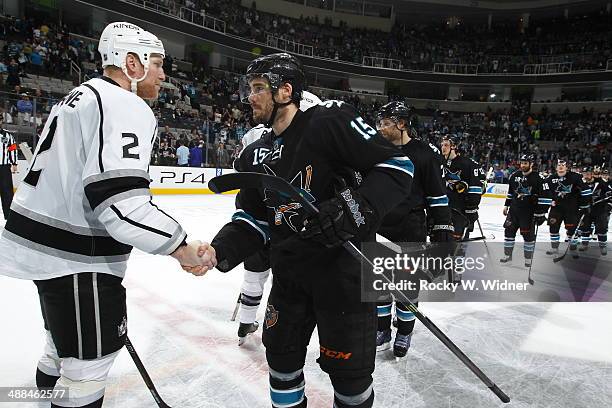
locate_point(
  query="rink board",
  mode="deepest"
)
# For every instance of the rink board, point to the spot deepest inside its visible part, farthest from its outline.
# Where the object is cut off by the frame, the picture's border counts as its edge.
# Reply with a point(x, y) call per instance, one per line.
point(194, 180)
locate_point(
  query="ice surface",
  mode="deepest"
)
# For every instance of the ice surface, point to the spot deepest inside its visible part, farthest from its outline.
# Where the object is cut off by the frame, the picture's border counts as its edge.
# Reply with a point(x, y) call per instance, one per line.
point(549, 355)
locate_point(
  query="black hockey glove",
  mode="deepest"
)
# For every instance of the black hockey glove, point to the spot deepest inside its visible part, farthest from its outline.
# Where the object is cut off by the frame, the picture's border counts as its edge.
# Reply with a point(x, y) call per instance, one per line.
point(340, 219)
point(471, 214)
point(459, 186)
point(441, 233)
point(539, 219)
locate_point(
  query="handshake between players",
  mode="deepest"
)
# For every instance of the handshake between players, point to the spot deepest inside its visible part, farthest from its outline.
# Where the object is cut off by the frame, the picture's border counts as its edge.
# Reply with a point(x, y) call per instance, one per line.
point(196, 257)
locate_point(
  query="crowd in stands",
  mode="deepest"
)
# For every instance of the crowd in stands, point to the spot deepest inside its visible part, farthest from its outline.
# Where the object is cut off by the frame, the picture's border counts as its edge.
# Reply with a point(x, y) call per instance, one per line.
point(505, 47)
point(202, 120)
point(39, 48)
point(497, 139)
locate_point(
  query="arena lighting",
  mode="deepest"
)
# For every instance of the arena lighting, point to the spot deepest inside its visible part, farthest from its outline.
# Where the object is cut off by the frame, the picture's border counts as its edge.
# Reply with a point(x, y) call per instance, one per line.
point(492, 95)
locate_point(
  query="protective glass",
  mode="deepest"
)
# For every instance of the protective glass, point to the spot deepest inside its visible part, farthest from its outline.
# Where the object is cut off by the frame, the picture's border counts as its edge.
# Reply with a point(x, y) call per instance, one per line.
point(382, 123)
point(246, 90)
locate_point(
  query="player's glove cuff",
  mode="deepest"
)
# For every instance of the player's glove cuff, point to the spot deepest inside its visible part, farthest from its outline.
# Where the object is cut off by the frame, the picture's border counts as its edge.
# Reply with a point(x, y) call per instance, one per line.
point(346, 216)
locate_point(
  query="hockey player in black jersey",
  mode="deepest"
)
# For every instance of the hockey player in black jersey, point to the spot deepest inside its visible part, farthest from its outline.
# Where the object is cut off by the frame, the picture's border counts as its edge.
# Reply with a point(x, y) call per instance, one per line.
point(257, 267)
point(571, 199)
point(316, 282)
point(463, 187)
point(526, 206)
point(599, 215)
point(408, 222)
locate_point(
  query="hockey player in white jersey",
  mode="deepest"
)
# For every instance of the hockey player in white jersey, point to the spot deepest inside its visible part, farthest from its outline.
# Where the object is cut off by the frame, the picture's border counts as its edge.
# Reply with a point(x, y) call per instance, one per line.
point(257, 267)
point(82, 206)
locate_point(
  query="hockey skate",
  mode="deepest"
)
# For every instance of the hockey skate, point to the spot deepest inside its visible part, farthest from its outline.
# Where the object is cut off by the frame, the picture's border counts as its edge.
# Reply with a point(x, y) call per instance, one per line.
point(528, 262)
point(552, 251)
point(401, 344)
point(506, 259)
point(244, 330)
point(604, 250)
point(583, 247)
point(572, 250)
point(383, 340)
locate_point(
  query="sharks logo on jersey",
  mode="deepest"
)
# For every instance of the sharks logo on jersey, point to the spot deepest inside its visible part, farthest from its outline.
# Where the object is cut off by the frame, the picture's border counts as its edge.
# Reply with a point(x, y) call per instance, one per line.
point(562, 190)
point(521, 190)
point(284, 210)
point(451, 177)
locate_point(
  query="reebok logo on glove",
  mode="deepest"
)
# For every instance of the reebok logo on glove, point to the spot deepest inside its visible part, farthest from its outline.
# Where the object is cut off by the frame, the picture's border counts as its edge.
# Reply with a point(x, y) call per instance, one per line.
point(354, 207)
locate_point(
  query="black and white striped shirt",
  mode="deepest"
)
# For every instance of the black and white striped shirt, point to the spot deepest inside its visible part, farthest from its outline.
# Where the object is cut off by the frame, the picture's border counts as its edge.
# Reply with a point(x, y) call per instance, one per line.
point(8, 148)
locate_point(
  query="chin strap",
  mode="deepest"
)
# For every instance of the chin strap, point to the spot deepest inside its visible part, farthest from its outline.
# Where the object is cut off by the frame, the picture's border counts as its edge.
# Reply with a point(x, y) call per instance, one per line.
point(277, 105)
point(133, 81)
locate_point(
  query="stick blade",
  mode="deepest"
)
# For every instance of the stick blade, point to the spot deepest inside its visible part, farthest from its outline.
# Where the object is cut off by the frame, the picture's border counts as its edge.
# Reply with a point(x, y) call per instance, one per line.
point(234, 181)
point(559, 258)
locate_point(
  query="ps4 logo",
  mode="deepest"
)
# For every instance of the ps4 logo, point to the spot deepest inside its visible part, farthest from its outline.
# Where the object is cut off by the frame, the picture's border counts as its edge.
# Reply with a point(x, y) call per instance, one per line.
point(182, 177)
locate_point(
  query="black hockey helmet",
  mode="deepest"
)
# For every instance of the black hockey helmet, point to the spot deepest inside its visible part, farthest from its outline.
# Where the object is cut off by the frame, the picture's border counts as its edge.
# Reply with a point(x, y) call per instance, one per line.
point(397, 111)
point(453, 139)
point(597, 170)
point(278, 69)
point(586, 169)
point(561, 162)
point(526, 157)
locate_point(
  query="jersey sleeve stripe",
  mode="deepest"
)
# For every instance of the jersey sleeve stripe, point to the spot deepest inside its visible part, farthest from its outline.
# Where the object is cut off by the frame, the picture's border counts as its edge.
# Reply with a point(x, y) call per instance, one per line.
point(101, 126)
point(43, 237)
point(260, 226)
point(169, 247)
point(139, 225)
point(116, 173)
point(89, 230)
point(138, 192)
point(475, 190)
point(403, 164)
point(437, 201)
point(101, 194)
point(161, 211)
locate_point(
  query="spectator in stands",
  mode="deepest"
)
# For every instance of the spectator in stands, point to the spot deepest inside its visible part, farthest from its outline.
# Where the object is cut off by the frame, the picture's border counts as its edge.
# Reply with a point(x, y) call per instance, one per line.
point(195, 153)
point(5, 117)
point(167, 155)
point(12, 78)
point(24, 109)
point(182, 154)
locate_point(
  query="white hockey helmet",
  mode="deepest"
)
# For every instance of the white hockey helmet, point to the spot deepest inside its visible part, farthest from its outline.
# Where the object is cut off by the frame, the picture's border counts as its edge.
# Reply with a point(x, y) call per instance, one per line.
point(120, 38)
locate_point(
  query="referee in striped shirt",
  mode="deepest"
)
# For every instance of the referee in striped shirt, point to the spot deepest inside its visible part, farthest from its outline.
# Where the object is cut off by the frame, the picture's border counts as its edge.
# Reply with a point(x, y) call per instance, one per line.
point(8, 165)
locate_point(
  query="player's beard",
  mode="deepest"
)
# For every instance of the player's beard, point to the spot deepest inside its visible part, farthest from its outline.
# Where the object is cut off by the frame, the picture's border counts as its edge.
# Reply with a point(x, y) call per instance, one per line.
point(147, 90)
point(392, 135)
point(262, 113)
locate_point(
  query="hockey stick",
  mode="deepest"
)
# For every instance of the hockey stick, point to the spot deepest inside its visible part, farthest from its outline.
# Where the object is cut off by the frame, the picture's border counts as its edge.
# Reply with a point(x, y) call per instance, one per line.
point(603, 200)
point(482, 235)
point(529, 279)
point(263, 181)
point(233, 319)
point(573, 237)
point(144, 374)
